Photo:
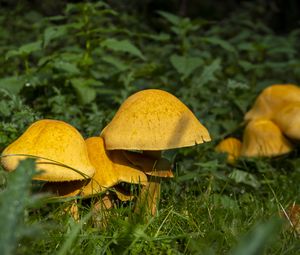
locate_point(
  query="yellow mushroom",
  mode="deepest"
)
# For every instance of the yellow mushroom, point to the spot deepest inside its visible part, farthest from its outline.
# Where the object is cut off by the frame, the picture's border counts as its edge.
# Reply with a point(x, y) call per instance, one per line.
point(288, 120)
point(232, 146)
point(59, 148)
point(262, 138)
point(111, 167)
point(153, 120)
point(272, 99)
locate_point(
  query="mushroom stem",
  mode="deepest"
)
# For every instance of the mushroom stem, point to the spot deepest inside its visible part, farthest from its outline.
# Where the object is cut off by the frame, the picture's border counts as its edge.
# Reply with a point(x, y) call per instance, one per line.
point(147, 202)
point(73, 210)
point(100, 211)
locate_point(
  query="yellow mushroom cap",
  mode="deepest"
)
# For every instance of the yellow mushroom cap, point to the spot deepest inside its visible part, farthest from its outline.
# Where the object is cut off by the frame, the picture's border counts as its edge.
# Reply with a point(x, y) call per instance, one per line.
point(111, 168)
point(272, 99)
point(288, 120)
point(153, 119)
point(262, 138)
point(232, 146)
point(54, 140)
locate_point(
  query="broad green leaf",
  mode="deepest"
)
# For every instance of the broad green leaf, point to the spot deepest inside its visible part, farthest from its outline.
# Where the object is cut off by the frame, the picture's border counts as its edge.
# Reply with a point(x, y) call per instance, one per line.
point(122, 46)
point(13, 201)
point(220, 42)
point(116, 62)
point(25, 49)
point(53, 33)
point(83, 87)
point(12, 84)
point(185, 65)
point(255, 242)
point(244, 177)
point(68, 67)
point(208, 73)
point(173, 19)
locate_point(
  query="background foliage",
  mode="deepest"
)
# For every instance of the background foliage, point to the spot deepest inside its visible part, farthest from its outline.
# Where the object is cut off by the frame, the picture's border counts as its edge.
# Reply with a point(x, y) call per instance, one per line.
point(80, 62)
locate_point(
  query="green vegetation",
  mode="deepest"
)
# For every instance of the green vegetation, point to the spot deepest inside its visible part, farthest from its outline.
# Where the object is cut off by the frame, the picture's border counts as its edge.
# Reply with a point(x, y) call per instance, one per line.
point(79, 66)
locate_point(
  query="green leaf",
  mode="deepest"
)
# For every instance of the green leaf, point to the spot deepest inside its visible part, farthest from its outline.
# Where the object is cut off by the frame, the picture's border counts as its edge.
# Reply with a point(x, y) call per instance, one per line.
point(116, 62)
point(83, 87)
point(68, 67)
point(12, 84)
point(185, 65)
point(13, 201)
point(232, 84)
point(208, 73)
point(255, 242)
point(219, 42)
point(244, 177)
point(122, 46)
point(25, 49)
point(53, 33)
point(173, 19)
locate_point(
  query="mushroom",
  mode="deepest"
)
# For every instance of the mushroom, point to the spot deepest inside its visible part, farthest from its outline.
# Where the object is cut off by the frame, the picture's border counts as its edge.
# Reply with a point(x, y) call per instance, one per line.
point(111, 167)
point(232, 146)
point(288, 120)
point(59, 148)
point(153, 120)
point(272, 99)
point(292, 214)
point(262, 138)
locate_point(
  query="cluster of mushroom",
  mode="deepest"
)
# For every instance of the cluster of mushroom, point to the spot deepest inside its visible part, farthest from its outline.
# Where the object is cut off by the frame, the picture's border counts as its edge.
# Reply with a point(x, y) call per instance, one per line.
point(271, 125)
point(129, 149)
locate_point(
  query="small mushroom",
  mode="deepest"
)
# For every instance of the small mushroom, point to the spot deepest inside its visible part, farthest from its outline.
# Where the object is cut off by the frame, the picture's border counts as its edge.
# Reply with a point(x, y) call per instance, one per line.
point(272, 99)
point(292, 214)
point(262, 138)
point(232, 146)
point(153, 120)
point(288, 120)
point(59, 148)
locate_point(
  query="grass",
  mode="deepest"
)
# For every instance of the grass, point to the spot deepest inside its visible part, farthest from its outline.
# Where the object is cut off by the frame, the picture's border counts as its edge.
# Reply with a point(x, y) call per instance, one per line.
point(200, 220)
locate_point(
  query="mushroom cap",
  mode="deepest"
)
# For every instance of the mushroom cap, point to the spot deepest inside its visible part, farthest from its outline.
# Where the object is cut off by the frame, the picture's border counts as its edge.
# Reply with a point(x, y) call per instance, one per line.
point(272, 99)
point(111, 168)
point(232, 146)
point(153, 119)
point(288, 120)
point(57, 141)
point(262, 138)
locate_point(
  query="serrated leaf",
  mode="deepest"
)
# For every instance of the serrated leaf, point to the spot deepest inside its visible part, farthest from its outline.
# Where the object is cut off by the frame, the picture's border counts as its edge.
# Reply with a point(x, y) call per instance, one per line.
point(12, 84)
point(173, 19)
point(68, 67)
point(185, 65)
point(244, 177)
point(220, 42)
point(25, 49)
point(208, 73)
point(232, 84)
point(84, 91)
point(116, 62)
point(53, 33)
point(122, 46)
